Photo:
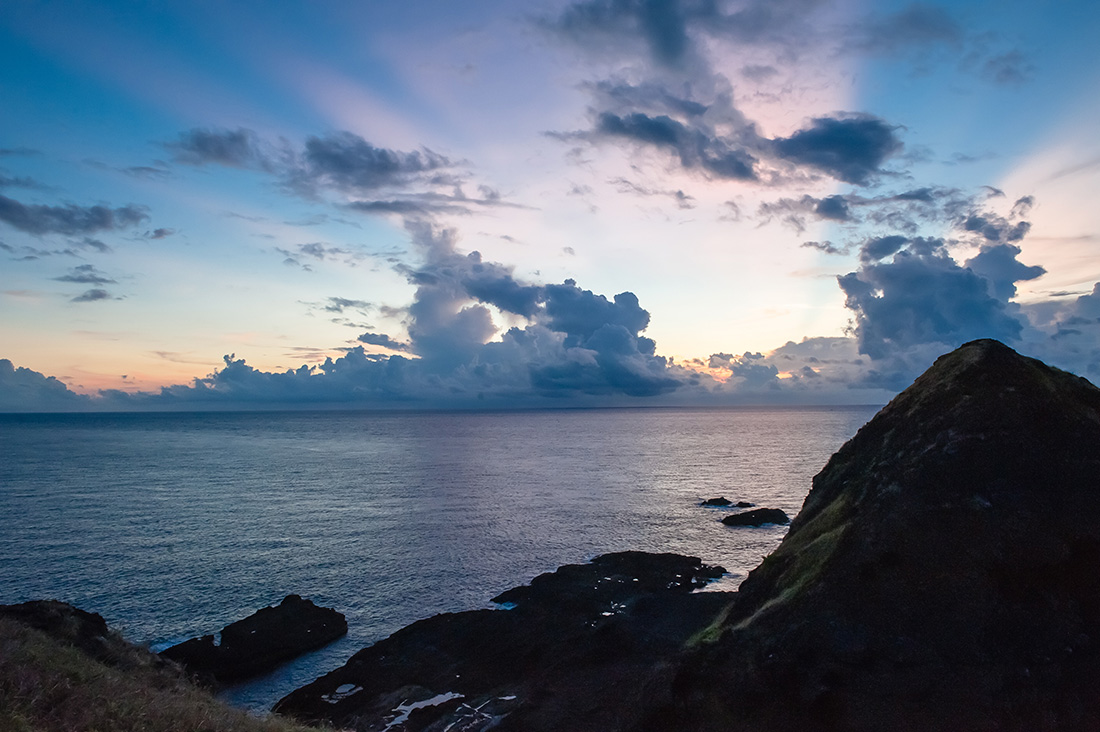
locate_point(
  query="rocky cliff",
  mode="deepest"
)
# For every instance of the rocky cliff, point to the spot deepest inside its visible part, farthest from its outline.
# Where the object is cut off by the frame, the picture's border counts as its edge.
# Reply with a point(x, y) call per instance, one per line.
point(943, 574)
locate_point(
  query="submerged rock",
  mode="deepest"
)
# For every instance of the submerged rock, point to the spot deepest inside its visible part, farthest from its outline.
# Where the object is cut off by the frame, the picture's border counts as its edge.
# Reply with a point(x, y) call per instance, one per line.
point(757, 517)
point(260, 642)
point(943, 574)
point(582, 648)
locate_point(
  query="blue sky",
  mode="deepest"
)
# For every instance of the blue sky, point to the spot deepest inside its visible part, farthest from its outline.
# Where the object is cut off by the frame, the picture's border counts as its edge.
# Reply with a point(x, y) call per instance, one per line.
point(208, 205)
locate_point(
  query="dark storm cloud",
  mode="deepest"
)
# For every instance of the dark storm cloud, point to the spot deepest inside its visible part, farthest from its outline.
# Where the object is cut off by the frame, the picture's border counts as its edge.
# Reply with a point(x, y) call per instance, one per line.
point(69, 218)
point(86, 274)
point(851, 149)
point(92, 295)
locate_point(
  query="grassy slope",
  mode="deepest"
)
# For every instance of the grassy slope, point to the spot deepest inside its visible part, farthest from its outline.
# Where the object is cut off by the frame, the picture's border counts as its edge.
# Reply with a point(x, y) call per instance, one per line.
point(49, 686)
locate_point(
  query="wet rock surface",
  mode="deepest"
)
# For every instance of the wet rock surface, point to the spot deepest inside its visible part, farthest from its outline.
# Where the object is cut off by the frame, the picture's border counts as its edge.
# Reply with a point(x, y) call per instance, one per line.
point(587, 647)
point(260, 642)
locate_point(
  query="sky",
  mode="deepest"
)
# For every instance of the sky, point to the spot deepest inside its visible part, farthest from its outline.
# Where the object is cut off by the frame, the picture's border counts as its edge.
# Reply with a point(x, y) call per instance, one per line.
point(488, 204)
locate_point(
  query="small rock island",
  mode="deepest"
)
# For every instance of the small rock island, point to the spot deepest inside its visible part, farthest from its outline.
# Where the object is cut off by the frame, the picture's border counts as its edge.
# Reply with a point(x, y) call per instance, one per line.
point(260, 642)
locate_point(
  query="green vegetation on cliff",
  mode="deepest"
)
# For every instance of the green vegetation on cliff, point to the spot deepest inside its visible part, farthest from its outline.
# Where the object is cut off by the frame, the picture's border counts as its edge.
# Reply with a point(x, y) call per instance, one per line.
point(70, 679)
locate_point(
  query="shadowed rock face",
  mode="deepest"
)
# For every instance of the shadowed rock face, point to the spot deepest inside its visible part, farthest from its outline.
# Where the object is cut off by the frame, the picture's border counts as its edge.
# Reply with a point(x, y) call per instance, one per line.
point(943, 574)
point(261, 641)
point(587, 647)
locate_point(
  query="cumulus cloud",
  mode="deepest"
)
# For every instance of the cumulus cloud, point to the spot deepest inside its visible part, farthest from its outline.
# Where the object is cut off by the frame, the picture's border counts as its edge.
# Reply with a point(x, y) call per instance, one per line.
point(25, 390)
point(69, 219)
point(911, 295)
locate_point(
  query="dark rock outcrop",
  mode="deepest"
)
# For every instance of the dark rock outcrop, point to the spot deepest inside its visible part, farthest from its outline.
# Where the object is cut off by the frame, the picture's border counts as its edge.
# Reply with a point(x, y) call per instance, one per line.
point(757, 517)
point(943, 574)
point(260, 642)
point(744, 504)
point(587, 647)
point(721, 501)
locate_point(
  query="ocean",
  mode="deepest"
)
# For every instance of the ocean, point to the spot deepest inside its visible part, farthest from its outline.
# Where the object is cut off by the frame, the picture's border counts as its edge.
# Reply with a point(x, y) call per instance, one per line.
point(174, 525)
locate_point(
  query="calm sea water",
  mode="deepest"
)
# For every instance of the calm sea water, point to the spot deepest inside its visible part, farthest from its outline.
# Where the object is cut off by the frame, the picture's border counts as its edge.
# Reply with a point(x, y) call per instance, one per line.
point(173, 525)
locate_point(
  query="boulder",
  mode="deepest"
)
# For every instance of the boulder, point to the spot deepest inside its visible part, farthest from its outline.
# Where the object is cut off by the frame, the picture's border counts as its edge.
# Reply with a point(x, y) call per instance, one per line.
point(260, 642)
point(744, 504)
point(757, 517)
point(720, 501)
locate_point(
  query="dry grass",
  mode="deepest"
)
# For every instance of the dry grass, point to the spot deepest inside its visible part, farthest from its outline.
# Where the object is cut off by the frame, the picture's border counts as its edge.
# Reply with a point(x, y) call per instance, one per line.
point(48, 686)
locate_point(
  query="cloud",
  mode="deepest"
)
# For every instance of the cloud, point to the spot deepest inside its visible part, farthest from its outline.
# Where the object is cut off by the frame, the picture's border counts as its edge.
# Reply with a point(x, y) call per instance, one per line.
point(25, 390)
point(1010, 68)
point(361, 177)
point(19, 182)
point(381, 339)
point(707, 134)
point(346, 162)
point(93, 295)
point(69, 219)
point(851, 149)
point(340, 304)
point(159, 233)
point(916, 25)
point(86, 274)
point(695, 148)
point(232, 148)
point(923, 296)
